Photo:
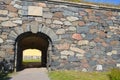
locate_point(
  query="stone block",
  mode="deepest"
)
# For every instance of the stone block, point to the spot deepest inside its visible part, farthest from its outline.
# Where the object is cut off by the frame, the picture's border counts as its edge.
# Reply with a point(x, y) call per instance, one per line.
point(63, 46)
point(34, 27)
point(35, 11)
point(83, 42)
point(47, 15)
point(8, 24)
point(2, 54)
point(73, 59)
point(1, 40)
point(4, 18)
point(71, 18)
point(67, 23)
point(67, 53)
point(118, 65)
point(11, 8)
point(57, 22)
point(99, 67)
point(77, 50)
point(77, 36)
point(60, 31)
point(84, 29)
point(58, 15)
point(3, 12)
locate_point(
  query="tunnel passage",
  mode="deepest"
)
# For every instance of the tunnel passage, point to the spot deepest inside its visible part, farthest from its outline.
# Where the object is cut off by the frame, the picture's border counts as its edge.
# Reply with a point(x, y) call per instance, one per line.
point(31, 40)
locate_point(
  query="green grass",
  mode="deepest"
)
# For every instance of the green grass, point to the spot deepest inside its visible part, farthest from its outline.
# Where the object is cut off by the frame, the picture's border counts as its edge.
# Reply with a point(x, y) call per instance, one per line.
point(32, 60)
point(115, 74)
point(77, 75)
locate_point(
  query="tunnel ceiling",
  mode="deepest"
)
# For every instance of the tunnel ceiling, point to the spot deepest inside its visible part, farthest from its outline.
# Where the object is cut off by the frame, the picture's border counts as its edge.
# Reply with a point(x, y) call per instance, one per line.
point(33, 42)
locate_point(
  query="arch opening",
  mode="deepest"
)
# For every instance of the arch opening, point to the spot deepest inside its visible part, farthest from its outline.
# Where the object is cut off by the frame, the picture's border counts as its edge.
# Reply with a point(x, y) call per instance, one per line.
point(38, 42)
point(31, 58)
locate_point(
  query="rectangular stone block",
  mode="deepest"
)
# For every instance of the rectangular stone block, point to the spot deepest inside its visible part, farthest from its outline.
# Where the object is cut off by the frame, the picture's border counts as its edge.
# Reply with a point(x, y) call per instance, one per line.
point(35, 11)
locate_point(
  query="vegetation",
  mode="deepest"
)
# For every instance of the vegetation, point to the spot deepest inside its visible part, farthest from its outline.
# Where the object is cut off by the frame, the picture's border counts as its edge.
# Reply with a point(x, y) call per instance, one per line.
point(32, 60)
point(76, 75)
point(4, 76)
point(114, 74)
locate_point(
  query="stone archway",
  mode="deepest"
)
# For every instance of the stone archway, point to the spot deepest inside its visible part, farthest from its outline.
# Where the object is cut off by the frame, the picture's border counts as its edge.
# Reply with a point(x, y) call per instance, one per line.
point(31, 40)
point(28, 30)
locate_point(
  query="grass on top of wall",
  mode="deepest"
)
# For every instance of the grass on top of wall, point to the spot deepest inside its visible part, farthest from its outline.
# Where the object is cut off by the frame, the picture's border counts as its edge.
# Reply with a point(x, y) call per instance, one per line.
point(77, 75)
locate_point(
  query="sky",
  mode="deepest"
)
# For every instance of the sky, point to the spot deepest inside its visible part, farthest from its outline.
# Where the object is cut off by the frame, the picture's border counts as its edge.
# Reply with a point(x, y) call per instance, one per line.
point(113, 2)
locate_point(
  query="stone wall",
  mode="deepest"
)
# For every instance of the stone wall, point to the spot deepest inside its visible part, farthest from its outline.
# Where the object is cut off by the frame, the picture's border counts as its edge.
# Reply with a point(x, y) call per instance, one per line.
point(84, 39)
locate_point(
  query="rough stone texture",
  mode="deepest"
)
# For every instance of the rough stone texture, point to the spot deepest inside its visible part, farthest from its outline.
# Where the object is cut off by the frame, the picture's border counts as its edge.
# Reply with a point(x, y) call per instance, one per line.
point(77, 50)
point(57, 22)
point(8, 24)
point(71, 18)
point(1, 40)
point(35, 11)
point(60, 31)
point(77, 36)
point(63, 46)
point(3, 12)
point(82, 39)
point(11, 8)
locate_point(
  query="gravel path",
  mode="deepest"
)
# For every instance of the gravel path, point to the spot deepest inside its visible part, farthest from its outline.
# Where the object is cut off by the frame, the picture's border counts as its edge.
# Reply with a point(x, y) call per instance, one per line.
point(31, 74)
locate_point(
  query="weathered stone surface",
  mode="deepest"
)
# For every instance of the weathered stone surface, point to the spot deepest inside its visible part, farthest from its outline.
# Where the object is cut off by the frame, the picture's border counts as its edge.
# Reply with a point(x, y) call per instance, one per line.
point(2, 54)
point(71, 18)
point(77, 36)
point(114, 52)
point(81, 23)
point(11, 8)
point(4, 18)
point(67, 23)
point(92, 44)
point(34, 27)
point(72, 59)
point(3, 12)
point(84, 29)
point(19, 30)
point(99, 67)
point(60, 31)
point(57, 22)
point(48, 21)
point(77, 50)
point(109, 53)
point(114, 43)
point(12, 14)
point(8, 24)
point(118, 65)
point(18, 21)
point(63, 57)
point(72, 29)
point(67, 53)
point(1, 40)
point(7, 1)
point(18, 6)
point(47, 15)
point(83, 42)
point(101, 34)
point(42, 5)
point(63, 46)
point(35, 11)
point(58, 15)
point(13, 34)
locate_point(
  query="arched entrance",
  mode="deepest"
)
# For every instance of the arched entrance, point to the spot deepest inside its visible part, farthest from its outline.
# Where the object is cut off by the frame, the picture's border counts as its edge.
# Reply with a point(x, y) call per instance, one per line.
point(29, 40)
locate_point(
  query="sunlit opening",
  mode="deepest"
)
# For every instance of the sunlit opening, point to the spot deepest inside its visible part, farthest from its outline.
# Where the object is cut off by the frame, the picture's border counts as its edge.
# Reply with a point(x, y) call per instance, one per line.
point(31, 55)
